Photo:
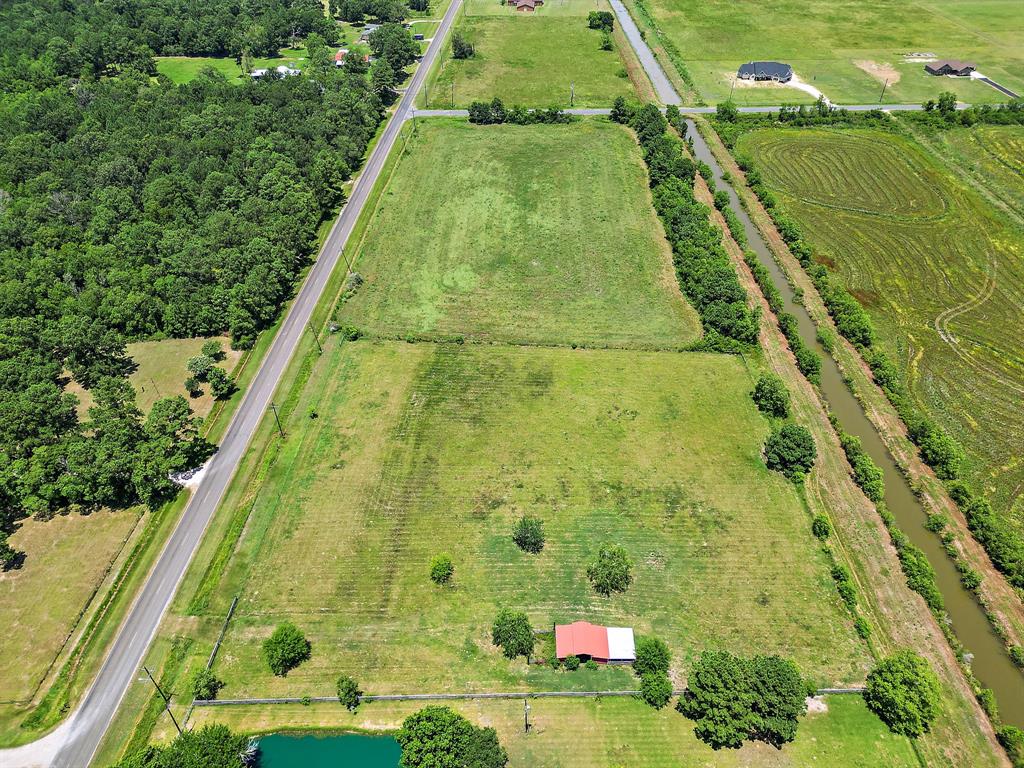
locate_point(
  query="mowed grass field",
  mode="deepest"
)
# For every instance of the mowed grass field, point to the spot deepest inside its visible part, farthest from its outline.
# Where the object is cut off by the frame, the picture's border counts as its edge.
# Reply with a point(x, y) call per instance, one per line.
point(617, 732)
point(425, 449)
point(847, 48)
point(533, 59)
point(942, 277)
point(539, 234)
point(182, 69)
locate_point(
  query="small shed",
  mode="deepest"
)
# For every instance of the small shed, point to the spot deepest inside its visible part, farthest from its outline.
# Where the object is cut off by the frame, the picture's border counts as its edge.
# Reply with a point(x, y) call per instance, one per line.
point(766, 70)
point(605, 645)
point(950, 67)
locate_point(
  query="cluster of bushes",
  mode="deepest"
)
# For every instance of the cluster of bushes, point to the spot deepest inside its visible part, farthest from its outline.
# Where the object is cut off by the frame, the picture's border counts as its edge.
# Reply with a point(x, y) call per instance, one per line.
point(771, 396)
point(461, 47)
point(730, 123)
point(1001, 543)
point(790, 450)
point(733, 699)
point(212, 746)
point(822, 529)
point(202, 369)
point(603, 20)
point(866, 473)
point(495, 113)
point(942, 112)
point(652, 661)
point(439, 737)
point(705, 274)
point(807, 360)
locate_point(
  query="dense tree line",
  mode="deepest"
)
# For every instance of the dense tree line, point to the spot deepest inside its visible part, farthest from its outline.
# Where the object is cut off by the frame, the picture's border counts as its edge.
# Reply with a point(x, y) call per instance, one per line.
point(132, 209)
point(942, 112)
point(42, 41)
point(705, 274)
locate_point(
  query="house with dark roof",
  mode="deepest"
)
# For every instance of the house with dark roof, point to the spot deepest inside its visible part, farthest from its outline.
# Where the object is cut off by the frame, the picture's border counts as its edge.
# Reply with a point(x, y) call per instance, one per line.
point(766, 70)
point(950, 67)
point(526, 5)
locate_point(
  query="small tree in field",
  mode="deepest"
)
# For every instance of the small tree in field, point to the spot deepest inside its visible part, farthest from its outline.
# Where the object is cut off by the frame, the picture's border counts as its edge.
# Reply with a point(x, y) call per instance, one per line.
point(612, 571)
point(655, 689)
point(904, 692)
point(652, 656)
point(528, 534)
point(348, 693)
point(513, 634)
point(212, 349)
point(199, 366)
point(204, 685)
point(461, 47)
point(821, 527)
point(771, 396)
point(441, 569)
point(221, 385)
point(285, 649)
point(790, 450)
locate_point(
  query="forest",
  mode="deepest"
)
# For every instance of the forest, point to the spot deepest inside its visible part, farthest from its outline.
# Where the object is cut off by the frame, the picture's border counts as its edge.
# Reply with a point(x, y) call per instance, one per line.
point(131, 208)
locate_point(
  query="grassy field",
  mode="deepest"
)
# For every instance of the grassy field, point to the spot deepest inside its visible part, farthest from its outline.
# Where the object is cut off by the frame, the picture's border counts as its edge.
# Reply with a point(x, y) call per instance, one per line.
point(621, 732)
point(421, 449)
point(542, 234)
point(41, 602)
point(941, 276)
point(533, 58)
point(161, 373)
point(181, 69)
point(847, 48)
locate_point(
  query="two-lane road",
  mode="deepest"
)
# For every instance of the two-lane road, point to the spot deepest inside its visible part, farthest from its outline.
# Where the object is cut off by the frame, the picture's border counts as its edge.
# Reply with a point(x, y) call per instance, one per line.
point(82, 734)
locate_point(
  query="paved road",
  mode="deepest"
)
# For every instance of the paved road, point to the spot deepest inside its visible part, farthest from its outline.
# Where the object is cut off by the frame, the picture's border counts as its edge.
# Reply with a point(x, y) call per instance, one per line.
point(662, 85)
point(88, 723)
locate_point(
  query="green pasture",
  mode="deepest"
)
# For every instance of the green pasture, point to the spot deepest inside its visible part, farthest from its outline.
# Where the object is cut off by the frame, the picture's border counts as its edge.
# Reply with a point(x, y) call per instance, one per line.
point(616, 732)
point(847, 48)
point(940, 273)
point(535, 234)
point(420, 449)
point(181, 69)
point(573, 8)
point(536, 60)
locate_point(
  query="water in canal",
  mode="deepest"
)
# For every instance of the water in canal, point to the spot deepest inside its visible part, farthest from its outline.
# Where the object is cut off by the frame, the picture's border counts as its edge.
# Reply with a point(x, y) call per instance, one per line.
point(348, 750)
point(991, 664)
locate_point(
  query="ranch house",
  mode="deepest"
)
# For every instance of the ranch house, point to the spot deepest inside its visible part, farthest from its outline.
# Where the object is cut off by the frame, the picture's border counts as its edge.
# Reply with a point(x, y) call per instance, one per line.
point(950, 67)
point(585, 641)
point(526, 5)
point(766, 70)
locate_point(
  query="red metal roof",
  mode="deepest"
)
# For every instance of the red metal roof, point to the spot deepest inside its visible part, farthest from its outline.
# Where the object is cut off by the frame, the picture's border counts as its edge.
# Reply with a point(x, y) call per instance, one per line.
point(581, 638)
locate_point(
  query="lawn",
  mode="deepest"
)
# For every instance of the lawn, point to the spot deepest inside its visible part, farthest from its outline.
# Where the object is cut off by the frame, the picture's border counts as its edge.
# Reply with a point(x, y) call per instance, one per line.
point(422, 449)
point(540, 234)
point(182, 69)
point(161, 372)
point(620, 732)
point(847, 48)
point(66, 559)
point(942, 277)
point(534, 59)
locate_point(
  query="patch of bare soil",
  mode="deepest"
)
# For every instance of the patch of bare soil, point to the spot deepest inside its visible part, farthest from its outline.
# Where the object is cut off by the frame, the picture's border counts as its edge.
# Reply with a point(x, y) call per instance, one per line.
point(881, 72)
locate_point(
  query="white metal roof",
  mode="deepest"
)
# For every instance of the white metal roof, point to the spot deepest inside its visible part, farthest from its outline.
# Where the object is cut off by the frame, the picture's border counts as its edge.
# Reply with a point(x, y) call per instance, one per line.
point(620, 644)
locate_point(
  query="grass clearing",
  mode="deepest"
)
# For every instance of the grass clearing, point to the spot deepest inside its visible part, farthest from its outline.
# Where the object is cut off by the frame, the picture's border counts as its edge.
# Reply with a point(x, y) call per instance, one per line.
point(161, 373)
point(941, 276)
point(534, 59)
point(611, 732)
point(541, 234)
point(824, 41)
point(421, 449)
point(40, 603)
point(182, 69)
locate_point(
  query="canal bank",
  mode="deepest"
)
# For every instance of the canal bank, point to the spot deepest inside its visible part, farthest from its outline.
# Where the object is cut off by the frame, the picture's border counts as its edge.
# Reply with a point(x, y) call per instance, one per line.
point(990, 663)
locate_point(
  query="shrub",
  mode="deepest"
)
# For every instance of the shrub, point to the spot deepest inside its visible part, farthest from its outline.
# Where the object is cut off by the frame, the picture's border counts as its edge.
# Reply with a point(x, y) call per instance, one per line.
point(790, 450)
point(592, 665)
point(528, 534)
point(652, 656)
point(438, 737)
point(204, 685)
point(513, 634)
point(441, 569)
point(1017, 656)
point(461, 47)
point(862, 627)
point(350, 332)
point(285, 649)
point(193, 386)
point(572, 663)
point(199, 366)
point(9, 556)
point(212, 349)
point(904, 692)
point(1012, 739)
point(612, 571)
point(601, 20)
point(221, 385)
point(348, 693)
point(771, 396)
point(655, 689)
point(212, 746)
point(821, 527)
point(621, 111)
point(936, 522)
point(606, 42)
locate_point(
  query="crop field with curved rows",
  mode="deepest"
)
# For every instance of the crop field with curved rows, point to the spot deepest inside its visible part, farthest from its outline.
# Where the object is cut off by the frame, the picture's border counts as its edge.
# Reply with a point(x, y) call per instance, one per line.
point(942, 276)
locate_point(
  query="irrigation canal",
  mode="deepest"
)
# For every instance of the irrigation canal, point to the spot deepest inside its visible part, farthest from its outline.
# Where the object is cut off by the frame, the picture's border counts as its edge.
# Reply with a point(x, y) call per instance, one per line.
point(990, 664)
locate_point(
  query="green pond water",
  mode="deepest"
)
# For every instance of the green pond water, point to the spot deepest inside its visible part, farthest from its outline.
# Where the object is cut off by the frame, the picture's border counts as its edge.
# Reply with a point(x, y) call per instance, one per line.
point(344, 751)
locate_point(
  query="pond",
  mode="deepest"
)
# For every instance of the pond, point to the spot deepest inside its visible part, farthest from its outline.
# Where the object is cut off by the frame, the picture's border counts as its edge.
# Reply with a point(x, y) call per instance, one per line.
point(347, 750)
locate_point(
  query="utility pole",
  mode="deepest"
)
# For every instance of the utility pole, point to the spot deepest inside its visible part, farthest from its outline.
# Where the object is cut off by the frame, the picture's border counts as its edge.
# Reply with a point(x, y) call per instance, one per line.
point(453, 93)
point(167, 701)
point(277, 419)
point(315, 337)
point(733, 87)
point(572, 94)
point(526, 716)
point(884, 86)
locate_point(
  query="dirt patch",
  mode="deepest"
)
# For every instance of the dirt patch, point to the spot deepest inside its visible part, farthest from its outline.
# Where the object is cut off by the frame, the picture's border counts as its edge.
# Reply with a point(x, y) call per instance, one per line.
point(881, 72)
point(742, 83)
point(866, 297)
point(816, 705)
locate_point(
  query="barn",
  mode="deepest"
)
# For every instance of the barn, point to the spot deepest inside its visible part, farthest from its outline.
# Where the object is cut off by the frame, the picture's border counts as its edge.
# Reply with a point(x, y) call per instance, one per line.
point(766, 70)
point(605, 645)
point(950, 67)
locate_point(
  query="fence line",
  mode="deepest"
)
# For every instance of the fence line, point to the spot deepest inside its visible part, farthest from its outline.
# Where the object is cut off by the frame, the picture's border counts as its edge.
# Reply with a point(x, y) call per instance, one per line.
point(463, 696)
point(213, 655)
